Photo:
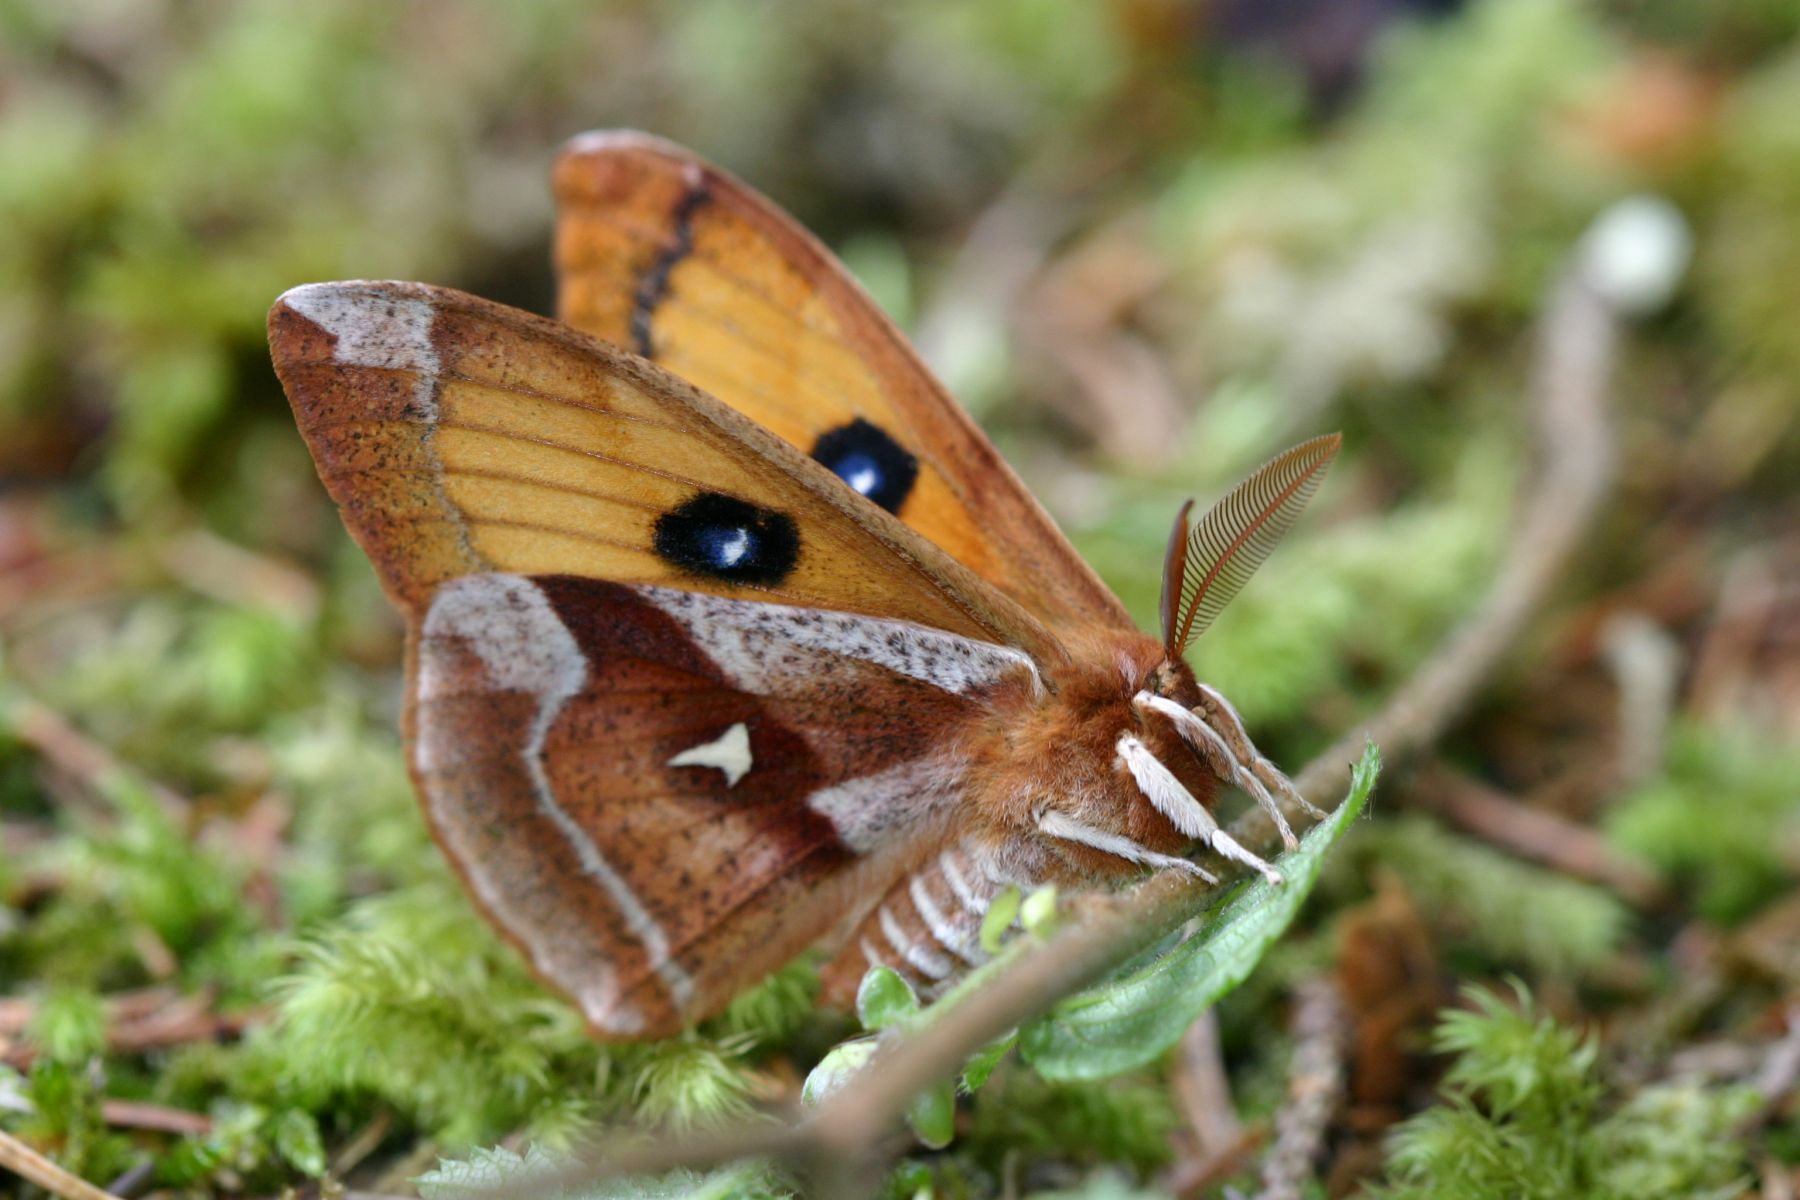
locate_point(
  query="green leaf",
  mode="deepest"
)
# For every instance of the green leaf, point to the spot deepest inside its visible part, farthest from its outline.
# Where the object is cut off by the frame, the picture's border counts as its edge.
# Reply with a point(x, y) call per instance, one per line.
point(933, 1115)
point(1128, 1022)
point(884, 998)
point(1002, 911)
point(911, 1180)
point(295, 1133)
point(981, 1064)
point(1038, 913)
point(835, 1069)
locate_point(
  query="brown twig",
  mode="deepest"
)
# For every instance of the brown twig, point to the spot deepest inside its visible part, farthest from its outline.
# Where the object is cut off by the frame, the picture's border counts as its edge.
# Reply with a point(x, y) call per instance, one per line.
point(1192, 1179)
point(1535, 834)
point(232, 574)
point(1315, 1089)
point(17, 1012)
point(364, 1143)
point(157, 1118)
point(1573, 440)
point(71, 751)
point(55, 584)
point(1202, 1090)
point(136, 1022)
point(1646, 663)
point(135, 1179)
point(1574, 448)
point(1780, 1074)
point(1778, 1179)
point(28, 1164)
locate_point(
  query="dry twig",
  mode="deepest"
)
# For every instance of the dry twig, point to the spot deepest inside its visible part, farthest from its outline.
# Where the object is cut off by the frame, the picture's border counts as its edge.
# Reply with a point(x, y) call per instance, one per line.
point(232, 574)
point(1536, 834)
point(1202, 1090)
point(136, 1022)
point(28, 1164)
point(1315, 1089)
point(1573, 439)
point(1193, 1179)
point(1646, 662)
point(157, 1118)
point(363, 1143)
point(74, 753)
point(1780, 1074)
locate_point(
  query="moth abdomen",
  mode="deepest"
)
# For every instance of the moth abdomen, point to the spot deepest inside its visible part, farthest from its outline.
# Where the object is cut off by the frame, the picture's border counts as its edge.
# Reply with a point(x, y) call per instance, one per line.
point(927, 927)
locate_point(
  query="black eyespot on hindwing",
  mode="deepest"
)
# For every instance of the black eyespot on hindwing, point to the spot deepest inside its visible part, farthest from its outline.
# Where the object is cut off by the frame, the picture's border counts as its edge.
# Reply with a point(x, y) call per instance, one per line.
point(724, 538)
point(865, 457)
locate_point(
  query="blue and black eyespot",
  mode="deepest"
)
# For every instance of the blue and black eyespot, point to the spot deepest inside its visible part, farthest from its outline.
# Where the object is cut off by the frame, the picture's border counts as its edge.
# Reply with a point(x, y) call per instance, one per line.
point(865, 457)
point(722, 537)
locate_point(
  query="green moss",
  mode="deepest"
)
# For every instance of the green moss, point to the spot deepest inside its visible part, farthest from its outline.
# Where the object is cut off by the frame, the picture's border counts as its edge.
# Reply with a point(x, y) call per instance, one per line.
point(1717, 818)
point(1527, 1114)
point(166, 174)
point(59, 1104)
point(1125, 1120)
point(1503, 911)
point(412, 999)
point(684, 1082)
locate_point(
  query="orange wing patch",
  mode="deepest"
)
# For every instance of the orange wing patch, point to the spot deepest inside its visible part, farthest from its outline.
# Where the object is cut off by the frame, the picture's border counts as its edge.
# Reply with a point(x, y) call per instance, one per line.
point(658, 252)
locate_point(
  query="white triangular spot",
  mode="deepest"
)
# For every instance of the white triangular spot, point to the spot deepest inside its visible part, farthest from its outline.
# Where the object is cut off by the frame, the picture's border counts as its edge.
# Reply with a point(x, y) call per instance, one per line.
point(729, 752)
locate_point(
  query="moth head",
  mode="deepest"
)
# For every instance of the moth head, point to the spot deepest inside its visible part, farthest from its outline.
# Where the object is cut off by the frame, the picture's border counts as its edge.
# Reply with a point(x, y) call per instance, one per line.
point(1209, 561)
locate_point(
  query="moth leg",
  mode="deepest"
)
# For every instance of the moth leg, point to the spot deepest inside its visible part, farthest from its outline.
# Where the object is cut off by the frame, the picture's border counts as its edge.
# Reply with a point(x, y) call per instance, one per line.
point(1068, 829)
point(1227, 846)
point(1224, 716)
point(1169, 797)
point(1222, 760)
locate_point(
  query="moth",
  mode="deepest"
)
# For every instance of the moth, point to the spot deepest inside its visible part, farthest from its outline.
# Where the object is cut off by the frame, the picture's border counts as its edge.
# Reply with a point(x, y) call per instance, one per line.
point(728, 631)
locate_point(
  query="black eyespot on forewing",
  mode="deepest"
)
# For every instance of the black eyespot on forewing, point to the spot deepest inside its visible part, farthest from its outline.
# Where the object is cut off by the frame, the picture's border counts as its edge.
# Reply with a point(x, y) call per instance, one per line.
point(722, 537)
point(865, 457)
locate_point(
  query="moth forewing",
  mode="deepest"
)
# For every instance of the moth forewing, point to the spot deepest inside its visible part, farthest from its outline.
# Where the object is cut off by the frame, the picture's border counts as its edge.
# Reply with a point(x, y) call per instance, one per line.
point(458, 435)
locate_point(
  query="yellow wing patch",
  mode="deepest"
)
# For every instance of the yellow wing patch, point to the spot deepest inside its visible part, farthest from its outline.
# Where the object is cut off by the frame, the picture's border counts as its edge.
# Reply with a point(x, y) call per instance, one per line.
point(680, 263)
point(461, 436)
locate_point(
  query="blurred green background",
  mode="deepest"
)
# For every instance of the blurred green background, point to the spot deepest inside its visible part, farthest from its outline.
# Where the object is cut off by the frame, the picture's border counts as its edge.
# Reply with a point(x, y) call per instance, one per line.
point(1148, 242)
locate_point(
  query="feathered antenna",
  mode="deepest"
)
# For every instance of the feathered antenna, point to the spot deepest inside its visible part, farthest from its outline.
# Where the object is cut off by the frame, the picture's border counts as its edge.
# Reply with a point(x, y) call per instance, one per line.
point(1210, 564)
point(1174, 563)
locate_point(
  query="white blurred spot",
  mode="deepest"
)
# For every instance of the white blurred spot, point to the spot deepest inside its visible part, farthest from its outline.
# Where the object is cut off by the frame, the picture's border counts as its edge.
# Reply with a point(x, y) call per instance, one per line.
point(1635, 253)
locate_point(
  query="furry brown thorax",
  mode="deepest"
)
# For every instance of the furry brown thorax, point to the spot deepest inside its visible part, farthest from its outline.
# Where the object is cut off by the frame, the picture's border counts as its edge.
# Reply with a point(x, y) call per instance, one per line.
point(1046, 760)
